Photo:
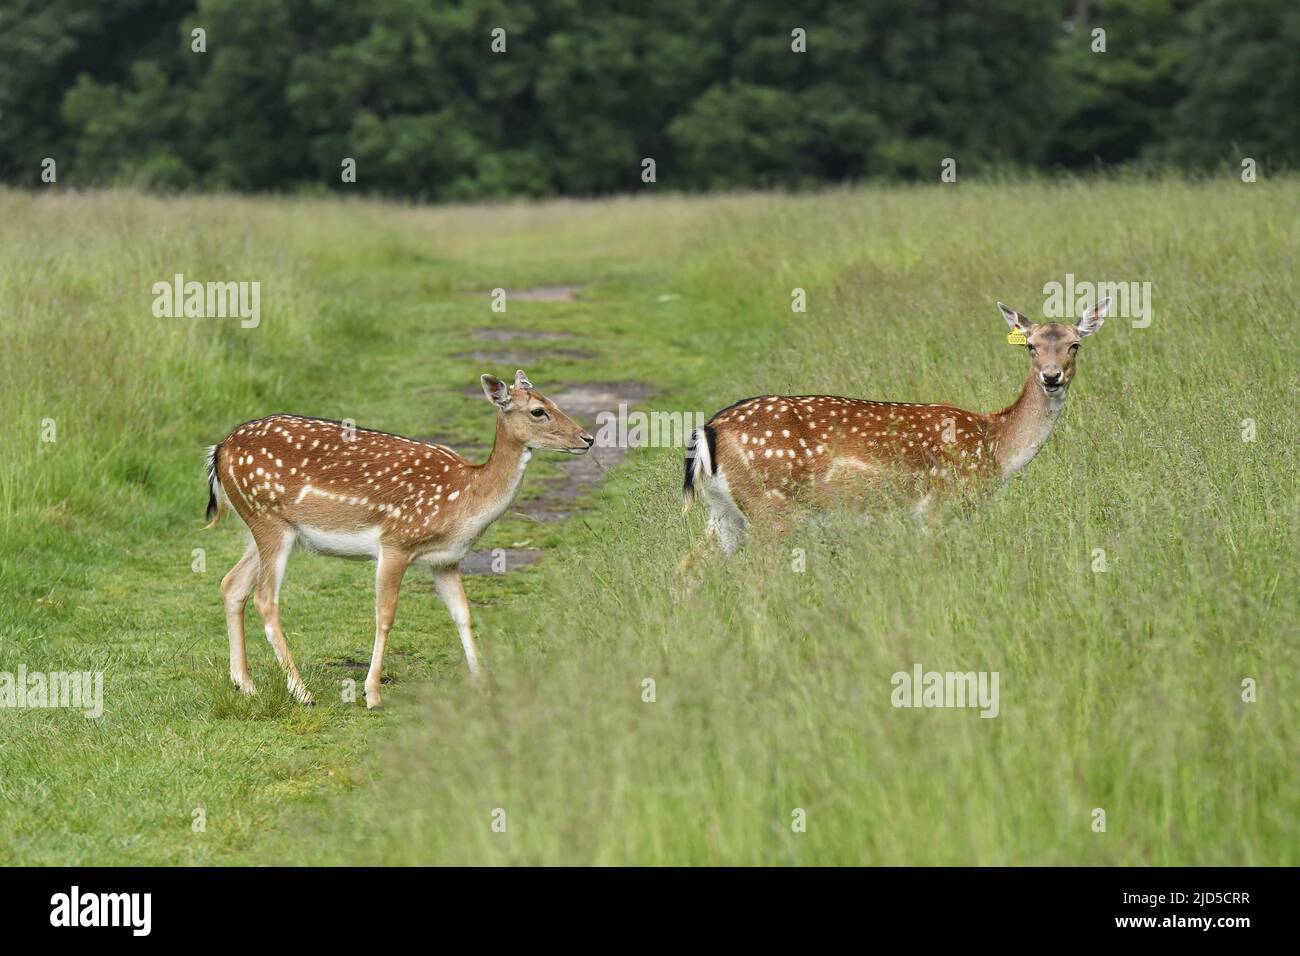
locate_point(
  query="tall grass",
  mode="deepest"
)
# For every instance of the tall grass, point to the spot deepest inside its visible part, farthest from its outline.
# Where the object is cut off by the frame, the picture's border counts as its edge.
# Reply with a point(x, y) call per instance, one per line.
point(1121, 689)
point(367, 310)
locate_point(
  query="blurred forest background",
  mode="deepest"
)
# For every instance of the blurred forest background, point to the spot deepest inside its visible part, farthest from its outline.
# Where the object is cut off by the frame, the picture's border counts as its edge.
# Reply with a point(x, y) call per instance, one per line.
point(710, 89)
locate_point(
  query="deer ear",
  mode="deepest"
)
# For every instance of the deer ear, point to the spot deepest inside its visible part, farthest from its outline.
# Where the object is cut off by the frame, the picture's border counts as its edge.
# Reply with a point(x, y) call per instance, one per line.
point(496, 390)
point(1014, 319)
point(1091, 320)
point(521, 380)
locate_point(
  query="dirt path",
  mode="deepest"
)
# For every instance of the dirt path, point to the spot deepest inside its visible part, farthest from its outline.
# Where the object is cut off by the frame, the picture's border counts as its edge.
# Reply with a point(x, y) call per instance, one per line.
point(560, 496)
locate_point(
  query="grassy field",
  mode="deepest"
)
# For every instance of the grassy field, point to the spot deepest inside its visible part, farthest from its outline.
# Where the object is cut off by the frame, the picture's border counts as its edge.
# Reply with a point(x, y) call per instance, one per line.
point(1120, 690)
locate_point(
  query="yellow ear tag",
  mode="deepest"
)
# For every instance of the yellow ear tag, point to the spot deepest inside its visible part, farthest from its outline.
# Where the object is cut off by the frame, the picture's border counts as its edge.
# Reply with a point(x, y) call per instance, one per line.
point(1016, 337)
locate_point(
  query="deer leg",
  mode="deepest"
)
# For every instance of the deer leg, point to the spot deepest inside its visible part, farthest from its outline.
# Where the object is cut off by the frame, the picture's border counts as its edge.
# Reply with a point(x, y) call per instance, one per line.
point(727, 522)
point(695, 553)
point(273, 548)
point(389, 571)
point(452, 591)
point(236, 586)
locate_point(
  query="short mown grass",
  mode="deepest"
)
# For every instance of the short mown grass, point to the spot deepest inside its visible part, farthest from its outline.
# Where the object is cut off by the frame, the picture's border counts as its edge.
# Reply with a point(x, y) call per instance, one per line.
point(1121, 690)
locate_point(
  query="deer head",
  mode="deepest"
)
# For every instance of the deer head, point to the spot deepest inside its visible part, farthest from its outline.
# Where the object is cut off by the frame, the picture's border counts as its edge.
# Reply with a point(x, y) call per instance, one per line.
point(1053, 345)
point(532, 419)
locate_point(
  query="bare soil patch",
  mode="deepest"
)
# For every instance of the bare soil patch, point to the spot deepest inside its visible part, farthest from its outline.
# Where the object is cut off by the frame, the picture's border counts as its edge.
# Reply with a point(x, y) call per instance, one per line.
point(539, 293)
point(480, 562)
point(521, 357)
point(519, 335)
point(561, 496)
point(545, 293)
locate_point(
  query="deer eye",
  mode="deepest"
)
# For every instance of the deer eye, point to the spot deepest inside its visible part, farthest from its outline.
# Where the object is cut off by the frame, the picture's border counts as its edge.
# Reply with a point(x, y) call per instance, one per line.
point(538, 413)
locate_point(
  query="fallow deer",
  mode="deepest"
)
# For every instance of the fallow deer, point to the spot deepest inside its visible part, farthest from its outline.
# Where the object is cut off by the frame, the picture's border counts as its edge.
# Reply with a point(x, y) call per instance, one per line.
point(356, 493)
point(756, 456)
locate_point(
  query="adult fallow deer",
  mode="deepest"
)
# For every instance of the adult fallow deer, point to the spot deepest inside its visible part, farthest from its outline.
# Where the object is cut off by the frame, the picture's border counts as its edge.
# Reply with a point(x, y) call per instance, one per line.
point(756, 456)
point(356, 493)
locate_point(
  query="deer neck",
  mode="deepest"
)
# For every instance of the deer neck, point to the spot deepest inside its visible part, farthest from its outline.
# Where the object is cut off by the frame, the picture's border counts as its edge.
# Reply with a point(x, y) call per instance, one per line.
point(1021, 430)
point(498, 479)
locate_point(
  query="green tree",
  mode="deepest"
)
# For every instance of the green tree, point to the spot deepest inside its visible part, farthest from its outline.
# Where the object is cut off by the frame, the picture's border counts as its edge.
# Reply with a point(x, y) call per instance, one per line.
point(1242, 75)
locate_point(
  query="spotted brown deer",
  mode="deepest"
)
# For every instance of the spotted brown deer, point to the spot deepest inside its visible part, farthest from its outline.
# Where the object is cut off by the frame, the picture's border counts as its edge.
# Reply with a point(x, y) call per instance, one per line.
point(755, 457)
point(355, 493)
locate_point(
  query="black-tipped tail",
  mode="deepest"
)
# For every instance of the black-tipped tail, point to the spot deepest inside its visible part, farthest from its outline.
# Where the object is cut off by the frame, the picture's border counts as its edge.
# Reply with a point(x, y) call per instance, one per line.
point(700, 457)
point(688, 485)
point(215, 509)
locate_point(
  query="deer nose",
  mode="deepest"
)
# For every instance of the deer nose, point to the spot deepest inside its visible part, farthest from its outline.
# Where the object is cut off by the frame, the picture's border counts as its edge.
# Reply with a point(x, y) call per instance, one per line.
point(1051, 378)
point(590, 440)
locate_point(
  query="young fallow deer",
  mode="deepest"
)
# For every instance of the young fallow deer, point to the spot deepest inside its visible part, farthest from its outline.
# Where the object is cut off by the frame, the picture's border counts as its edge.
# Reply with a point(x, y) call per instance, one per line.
point(356, 493)
point(751, 459)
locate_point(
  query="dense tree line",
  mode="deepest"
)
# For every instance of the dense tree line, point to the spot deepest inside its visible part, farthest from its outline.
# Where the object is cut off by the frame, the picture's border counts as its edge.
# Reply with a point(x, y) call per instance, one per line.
point(713, 90)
